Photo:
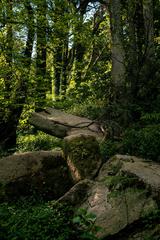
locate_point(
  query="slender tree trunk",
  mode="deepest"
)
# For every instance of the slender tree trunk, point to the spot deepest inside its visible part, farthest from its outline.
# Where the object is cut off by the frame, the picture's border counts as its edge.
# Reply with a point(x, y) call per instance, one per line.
point(9, 50)
point(41, 55)
point(61, 52)
point(132, 53)
point(79, 49)
point(57, 70)
point(64, 80)
point(117, 51)
point(139, 23)
point(8, 124)
point(149, 28)
point(79, 54)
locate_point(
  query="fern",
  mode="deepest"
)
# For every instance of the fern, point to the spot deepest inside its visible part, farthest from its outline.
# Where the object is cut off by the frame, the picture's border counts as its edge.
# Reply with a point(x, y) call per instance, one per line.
point(153, 117)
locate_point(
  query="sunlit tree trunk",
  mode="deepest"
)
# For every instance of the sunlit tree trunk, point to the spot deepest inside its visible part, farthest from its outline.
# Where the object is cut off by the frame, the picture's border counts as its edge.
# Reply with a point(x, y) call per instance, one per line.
point(61, 48)
point(57, 70)
point(79, 48)
point(65, 70)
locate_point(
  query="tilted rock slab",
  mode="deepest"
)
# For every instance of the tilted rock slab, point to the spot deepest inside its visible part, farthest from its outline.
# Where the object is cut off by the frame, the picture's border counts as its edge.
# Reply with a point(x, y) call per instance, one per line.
point(42, 172)
point(126, 189)
point(60, 124)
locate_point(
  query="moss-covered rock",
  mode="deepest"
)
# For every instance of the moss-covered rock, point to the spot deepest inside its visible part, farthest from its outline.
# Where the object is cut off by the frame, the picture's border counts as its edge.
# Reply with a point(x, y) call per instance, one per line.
point(44, 173)
point(83, 156)
point(126, 190)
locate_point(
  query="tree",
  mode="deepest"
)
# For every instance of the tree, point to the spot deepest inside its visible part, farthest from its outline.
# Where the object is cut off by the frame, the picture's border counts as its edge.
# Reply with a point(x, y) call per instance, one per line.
point(117, 50)
point(15, 94)
point(77, 48)
point(41, 43)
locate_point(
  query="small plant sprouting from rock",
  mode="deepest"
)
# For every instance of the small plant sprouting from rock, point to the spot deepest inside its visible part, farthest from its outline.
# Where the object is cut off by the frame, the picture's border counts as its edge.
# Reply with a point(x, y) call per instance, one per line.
point(85, 223)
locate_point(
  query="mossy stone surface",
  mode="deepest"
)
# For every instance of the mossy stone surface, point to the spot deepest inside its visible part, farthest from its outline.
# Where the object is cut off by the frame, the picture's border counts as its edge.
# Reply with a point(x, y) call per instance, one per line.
point(44, 173)
point(83, 156)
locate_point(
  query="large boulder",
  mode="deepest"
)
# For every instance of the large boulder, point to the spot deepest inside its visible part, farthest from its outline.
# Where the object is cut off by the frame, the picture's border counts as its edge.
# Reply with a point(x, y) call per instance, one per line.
point(43, 172)
point(61, 124)
point(78, 193)
point(82, 154)
point(126, 190)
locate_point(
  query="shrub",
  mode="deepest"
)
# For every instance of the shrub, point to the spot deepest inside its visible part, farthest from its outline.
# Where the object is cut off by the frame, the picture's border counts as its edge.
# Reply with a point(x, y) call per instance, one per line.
point(109, 148)
point(44, 221)
point(144, 142)
point(35, 222)
point(38, 141)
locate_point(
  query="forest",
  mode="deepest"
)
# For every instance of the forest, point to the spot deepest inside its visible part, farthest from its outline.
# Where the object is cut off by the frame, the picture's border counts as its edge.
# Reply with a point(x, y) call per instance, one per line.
point(95, 59)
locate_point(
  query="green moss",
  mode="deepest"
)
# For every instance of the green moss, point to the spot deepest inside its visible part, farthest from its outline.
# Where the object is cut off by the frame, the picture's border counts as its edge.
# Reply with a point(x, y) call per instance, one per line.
point(128, 193)
point(114, 167)
point(83, 156)
point(82, 148)
point(120, 182)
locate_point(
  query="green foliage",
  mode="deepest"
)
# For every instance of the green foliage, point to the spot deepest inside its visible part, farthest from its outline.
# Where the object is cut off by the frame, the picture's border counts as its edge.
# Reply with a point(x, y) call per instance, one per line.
point(144, 142)
point(42, 221)
point(90, 108)
point(38, 141)
point(85, 223)
point(109, 148)
point(28, 219)
point(120, 182)
point(151, 118)
point(151, 222)
point(151, 218)
point(151, 237)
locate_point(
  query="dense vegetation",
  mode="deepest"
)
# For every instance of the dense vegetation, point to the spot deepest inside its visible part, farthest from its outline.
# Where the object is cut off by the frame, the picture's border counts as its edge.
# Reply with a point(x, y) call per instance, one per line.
point(93, 58)
point(98, 59)
point(35, 219)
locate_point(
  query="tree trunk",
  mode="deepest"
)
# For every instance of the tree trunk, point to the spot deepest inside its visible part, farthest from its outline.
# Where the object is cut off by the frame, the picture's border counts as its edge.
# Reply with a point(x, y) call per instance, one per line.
point(65, 72)
point(41, 55)
point(79, 51)
point(57, 70)
point(132, 54)
point(9, 50)
point(149, 28)
point(10, 117)
point(117, 50)
point(61, 49)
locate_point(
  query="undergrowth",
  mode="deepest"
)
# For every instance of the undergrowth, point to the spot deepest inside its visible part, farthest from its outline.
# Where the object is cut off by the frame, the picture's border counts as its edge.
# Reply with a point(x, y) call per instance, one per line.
point(44, 221)
point(37, 141)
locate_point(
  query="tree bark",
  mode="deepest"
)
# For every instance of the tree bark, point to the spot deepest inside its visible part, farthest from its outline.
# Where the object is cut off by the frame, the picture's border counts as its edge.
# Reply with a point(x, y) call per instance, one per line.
point(57, 70)
point(132, 54)
point(117, 50)
point(149, 28)
point(41, 54)
point(9, 49)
